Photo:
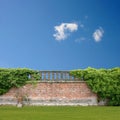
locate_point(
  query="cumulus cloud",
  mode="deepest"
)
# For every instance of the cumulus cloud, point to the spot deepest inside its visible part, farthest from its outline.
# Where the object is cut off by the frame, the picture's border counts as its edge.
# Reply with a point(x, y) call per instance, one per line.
point(64, 30)
point(98, 34)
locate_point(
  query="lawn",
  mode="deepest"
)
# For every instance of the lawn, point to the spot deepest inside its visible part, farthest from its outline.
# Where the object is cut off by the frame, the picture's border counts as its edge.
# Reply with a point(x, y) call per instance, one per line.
point(59, 113)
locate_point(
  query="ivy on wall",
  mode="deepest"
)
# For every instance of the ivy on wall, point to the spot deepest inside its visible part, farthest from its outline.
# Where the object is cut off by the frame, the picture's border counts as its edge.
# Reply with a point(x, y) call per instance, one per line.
point(16, 78)
point(104, 82)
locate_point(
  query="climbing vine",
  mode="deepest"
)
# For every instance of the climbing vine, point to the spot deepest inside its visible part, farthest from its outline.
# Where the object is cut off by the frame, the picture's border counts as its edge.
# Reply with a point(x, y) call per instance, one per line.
point(104, 82)
point(16, 78)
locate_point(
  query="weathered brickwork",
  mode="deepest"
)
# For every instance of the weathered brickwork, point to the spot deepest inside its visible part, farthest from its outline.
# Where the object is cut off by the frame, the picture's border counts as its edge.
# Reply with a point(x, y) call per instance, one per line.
point(56, 93)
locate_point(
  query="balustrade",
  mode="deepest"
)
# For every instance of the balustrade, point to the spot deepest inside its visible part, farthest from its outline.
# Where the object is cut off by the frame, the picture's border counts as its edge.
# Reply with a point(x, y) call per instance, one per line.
point(56, 76)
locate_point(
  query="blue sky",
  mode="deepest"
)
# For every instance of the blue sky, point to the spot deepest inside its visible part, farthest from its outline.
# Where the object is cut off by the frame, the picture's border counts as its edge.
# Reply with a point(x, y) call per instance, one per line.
point(59, 34)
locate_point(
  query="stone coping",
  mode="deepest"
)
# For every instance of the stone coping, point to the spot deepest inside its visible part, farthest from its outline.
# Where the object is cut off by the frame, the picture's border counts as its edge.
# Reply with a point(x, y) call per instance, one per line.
point(57, 81)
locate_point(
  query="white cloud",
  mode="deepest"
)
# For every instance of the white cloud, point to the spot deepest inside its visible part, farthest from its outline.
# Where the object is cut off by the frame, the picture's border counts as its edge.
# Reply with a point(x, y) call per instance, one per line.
point(86, 17)
point(98, 34)
point(63, 30)
point(81, 25)
point(80, 39)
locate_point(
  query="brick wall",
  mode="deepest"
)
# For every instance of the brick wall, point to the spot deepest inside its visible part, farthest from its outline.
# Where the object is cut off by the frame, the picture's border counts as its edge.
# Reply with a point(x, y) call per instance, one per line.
point(54, 93)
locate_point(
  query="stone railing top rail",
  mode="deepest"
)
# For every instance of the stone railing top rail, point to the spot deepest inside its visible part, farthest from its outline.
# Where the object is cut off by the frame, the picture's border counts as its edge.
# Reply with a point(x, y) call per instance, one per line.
point(57, 76)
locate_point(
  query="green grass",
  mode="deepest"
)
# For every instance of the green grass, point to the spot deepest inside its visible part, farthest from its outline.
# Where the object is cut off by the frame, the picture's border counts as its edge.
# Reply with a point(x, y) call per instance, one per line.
point(59, 113)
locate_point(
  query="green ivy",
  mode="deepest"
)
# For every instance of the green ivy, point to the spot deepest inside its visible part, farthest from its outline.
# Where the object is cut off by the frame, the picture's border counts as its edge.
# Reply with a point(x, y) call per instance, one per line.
point(16, 78)
point(104, 82)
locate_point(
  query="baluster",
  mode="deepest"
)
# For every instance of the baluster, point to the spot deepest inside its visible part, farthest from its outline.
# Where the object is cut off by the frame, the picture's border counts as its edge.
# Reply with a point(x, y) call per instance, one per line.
point(68, 76)
point(60, 75)
point(65, 76)
point(76, 79)
point(53, 76)
point(57, 75)
point(71, 77)
point(44, 74)
point(48, 75)
point(40, 75)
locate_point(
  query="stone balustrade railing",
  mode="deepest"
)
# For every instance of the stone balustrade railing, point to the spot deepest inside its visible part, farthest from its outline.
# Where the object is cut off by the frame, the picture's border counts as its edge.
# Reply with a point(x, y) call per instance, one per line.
point(56, 76)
